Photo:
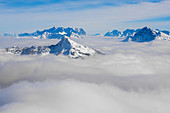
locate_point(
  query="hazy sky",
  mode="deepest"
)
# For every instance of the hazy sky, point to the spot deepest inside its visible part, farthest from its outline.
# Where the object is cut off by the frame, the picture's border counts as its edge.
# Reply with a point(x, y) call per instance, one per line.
point(94, 16)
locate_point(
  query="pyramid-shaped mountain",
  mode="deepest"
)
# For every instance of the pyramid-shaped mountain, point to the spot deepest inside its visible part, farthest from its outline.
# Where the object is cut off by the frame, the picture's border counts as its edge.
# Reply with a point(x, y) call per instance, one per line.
point(65, 47)
point(72, 49)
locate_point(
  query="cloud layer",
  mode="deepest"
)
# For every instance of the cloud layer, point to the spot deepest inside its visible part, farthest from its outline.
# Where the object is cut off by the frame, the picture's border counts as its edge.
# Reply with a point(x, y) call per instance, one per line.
point(132, 77)
point(75, 96)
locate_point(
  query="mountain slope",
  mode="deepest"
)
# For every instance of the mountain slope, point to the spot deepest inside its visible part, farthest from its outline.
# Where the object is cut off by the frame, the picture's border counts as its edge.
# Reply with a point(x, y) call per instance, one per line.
point(65, 47)
point(163, 31)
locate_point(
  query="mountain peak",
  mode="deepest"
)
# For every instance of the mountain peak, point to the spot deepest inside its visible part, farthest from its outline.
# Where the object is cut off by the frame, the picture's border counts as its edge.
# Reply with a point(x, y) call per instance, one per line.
point(65, 42)
point(68, 47)
point(65, 46)
point(147, 34)
point(145, 28)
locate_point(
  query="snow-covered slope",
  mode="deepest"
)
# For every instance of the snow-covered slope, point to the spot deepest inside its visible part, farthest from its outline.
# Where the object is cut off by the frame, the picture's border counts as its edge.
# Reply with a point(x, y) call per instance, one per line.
point(163, 36)
point(65, 47)
point(56, 33)
point(146, 34)
point(163, 31)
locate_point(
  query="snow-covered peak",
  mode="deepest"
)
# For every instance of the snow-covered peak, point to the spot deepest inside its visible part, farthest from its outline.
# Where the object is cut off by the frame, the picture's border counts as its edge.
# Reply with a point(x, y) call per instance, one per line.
point(65, 46)
point(72, 49)
point(65, 43)
point(147, 34)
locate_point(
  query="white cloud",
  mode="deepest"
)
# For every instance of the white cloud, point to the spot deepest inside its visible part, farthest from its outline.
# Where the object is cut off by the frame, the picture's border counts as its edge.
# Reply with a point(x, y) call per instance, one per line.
point(75, 96)
point(132, 77)
point(123, 60)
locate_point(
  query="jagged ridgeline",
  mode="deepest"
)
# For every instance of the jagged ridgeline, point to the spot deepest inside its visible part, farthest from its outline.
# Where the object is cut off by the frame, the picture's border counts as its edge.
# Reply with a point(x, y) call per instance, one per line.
point(125, 33)
point(147, 34)
point(140, 35)
point(65, 47)
point(56, 33)
point(131, 32)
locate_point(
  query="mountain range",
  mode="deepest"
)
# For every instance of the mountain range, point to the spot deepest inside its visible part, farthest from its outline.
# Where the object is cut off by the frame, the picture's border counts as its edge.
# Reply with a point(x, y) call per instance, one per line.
point(130, 32)
point(65, 47)
point(138, 35)
point(56, 33)
point(125, 33)
point(147, 34)
point(68, 47)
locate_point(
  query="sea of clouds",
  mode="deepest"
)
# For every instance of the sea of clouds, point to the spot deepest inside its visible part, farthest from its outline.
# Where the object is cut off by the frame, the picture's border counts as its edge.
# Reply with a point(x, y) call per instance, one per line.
point(130, 78)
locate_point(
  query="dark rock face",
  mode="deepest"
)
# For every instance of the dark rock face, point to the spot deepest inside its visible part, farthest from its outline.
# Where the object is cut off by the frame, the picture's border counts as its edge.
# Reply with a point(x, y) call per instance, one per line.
point(128, 32)
point(145, 35)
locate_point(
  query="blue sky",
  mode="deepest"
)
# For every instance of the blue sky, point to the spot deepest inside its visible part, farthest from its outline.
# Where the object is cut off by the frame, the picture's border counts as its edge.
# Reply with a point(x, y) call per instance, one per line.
point(31, 3)
point(92, 15)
